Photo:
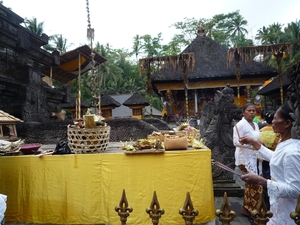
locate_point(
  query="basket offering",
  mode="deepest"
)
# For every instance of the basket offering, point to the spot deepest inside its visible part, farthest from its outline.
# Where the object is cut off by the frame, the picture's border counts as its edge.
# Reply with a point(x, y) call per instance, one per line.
point(160, 135)
point(178, 141)
point(191, 132)
point(90, 135)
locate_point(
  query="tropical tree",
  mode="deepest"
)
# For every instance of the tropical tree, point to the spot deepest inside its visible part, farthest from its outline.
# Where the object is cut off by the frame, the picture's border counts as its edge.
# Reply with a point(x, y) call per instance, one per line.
point(292, 33)
point(223, 28)
point(236, 25)
point(276, 34)
point(188, 30)
point(227, 29)
point(151, 46)
point(136, 46)
point(242, 41)
point(57, 42)
point(263, 35)
point(34, 26)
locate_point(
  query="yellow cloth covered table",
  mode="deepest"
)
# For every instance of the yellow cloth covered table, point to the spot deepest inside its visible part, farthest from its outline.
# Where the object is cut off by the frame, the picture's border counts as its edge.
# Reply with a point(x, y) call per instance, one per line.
point(85, 188)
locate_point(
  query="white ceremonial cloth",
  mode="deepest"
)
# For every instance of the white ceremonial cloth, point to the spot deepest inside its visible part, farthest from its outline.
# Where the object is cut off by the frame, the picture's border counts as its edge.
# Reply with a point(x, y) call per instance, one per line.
point(284, 187)
point(244, 154)
point(2, 206)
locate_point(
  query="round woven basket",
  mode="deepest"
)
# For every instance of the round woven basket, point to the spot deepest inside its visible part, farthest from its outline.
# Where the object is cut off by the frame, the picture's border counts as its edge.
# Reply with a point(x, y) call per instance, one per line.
point(88, 140)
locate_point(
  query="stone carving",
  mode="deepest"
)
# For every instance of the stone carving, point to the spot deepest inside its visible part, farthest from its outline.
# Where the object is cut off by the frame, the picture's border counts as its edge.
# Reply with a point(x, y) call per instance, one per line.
point(293, 74)
point(127, 129)
point(217, 129)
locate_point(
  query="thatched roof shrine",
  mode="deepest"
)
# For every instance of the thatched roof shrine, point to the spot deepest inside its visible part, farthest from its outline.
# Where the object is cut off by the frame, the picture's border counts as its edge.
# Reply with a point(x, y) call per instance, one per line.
point(136, 99)
point(6, 118)
point(69, 64)
point(211, 64)
point(274, 86)
point(107, 100)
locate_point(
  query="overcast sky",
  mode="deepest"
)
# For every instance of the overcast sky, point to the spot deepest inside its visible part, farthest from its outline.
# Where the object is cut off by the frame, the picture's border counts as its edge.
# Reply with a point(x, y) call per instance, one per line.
point(117, 21)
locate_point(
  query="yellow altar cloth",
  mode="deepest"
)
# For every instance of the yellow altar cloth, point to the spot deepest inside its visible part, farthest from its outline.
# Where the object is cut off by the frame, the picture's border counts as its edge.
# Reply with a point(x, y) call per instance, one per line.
point(85, 188)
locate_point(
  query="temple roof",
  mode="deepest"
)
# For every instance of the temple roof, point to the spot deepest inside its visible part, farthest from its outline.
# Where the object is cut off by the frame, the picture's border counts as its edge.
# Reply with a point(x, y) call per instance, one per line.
point(6, 118)
point(274, 86)
point(136, 99)
point(69, 64)
point(107, 100)
point(211, 64)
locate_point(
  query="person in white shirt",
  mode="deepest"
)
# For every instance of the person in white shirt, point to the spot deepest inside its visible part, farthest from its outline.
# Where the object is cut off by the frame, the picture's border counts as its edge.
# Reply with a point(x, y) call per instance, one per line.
point(245, 157)
point(284, 185)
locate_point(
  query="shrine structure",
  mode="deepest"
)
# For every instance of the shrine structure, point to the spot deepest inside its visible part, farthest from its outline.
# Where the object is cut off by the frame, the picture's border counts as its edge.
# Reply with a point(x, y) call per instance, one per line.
point(211, 72)
point(26, 73)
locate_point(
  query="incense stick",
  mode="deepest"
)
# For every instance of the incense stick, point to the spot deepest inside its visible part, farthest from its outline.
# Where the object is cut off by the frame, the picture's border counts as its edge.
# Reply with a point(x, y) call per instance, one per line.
point(220, 165)
point(237, 130)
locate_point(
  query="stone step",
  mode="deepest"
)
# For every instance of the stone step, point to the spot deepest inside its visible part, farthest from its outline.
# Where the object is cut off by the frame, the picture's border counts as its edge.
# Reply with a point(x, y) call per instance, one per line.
point(231, 188)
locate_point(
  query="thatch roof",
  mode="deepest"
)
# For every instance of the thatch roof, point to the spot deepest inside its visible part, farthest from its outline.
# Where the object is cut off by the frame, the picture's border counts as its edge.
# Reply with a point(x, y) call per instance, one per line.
point(274, 86)
point(136, 99)
point(107, 100)
point(6, 118)
point(124, 111)
point(211, 64)
point(64, 75)
point(72, 104)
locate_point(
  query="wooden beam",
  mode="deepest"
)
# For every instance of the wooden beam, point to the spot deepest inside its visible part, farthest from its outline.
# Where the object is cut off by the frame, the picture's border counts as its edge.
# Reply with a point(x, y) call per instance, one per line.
point(211, 84)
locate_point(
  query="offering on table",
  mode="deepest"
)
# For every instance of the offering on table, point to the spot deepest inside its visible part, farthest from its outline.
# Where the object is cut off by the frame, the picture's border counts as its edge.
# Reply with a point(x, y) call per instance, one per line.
point(142, 144)
point(198, 144)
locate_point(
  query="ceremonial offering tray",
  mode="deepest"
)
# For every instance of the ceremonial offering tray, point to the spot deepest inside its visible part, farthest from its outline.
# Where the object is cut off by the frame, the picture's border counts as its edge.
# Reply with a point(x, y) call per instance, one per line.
point(142, 146)
point(30, 149)
point(160, 135)
point(145, 151)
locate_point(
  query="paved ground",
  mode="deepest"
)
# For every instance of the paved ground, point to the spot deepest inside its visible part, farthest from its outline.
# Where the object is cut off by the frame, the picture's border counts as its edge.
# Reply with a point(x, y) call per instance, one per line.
point(236, 205)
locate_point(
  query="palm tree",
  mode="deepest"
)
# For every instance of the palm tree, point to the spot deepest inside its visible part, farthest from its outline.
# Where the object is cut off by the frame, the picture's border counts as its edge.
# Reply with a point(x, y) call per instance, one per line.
point(57, 43)
point(136, 45)
point(34, 26)
point(235, 26)
point(292, 33)
point(275, 33)
point(293, 30)
point(263, 35)
point(60, 42)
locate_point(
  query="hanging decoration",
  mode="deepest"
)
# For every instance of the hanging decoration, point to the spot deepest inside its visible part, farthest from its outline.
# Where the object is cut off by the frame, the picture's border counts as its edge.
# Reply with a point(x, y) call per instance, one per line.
point(95, 89)
point(185, 60)
point(245, 54)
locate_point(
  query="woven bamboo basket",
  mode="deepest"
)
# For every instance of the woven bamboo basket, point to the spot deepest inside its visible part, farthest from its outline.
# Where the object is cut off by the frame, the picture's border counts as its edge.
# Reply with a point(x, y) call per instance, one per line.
point(91, 140)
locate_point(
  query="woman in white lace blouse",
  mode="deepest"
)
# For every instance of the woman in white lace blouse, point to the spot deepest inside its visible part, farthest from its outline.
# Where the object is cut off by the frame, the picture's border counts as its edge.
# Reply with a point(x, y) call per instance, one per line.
point(245, 157)
point(284, 185)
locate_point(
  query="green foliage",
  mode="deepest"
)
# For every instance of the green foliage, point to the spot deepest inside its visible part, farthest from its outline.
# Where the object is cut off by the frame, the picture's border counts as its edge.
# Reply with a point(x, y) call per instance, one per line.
point(57, 42)
point(120, 73)
point(274, 34)
point(156, 101)
point(34, 26)
point(188, 29)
